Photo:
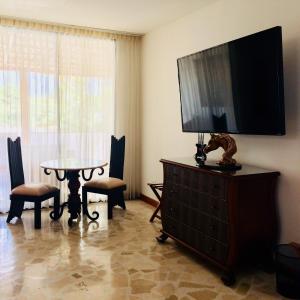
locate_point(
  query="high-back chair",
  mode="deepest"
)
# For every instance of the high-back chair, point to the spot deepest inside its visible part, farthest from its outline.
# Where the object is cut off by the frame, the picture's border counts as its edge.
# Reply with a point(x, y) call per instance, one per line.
point(21, 192)
point(113, 186)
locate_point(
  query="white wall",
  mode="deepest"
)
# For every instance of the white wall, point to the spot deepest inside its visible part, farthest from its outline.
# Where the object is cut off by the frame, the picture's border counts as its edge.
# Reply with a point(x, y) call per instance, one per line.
point(220, 22)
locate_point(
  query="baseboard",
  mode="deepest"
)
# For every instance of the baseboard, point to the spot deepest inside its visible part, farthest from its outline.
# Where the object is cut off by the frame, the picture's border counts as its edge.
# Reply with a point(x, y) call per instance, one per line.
point(149, 200)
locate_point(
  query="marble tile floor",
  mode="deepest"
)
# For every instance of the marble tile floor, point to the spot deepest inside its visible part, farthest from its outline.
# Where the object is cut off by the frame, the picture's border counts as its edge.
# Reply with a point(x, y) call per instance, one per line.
point(111, 260)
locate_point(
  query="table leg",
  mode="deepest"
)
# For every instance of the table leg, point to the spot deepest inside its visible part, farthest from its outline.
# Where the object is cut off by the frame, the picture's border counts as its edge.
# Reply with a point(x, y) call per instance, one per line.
point(74, 197)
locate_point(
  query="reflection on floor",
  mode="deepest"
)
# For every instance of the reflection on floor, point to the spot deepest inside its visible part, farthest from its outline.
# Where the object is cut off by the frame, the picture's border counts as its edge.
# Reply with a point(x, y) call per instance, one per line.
point(117, 259)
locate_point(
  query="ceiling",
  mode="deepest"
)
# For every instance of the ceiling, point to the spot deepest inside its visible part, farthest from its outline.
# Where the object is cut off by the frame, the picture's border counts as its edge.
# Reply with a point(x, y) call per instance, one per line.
point(135, 16)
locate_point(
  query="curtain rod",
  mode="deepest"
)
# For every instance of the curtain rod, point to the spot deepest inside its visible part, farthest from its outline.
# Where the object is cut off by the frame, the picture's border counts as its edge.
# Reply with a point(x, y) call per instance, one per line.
point(4, 18)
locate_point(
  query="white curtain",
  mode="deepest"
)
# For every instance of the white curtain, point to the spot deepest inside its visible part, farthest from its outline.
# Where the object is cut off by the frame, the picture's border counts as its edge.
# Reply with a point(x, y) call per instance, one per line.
point(57, 93)
point(127, 111)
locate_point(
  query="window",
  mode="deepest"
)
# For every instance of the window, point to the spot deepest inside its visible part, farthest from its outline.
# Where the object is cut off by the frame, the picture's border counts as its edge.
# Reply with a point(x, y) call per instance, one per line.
point(57, 93)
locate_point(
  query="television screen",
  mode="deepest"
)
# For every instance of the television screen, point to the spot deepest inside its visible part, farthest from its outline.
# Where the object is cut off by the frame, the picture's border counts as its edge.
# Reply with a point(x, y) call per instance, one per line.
point(236, 87)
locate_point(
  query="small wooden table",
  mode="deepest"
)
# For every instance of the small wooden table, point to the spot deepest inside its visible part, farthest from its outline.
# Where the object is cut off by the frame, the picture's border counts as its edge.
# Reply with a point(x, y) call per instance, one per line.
point(70, 169)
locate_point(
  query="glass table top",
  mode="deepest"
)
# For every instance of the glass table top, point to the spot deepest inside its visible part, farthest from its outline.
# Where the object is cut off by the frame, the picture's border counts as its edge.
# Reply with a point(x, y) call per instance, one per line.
point(72, 164)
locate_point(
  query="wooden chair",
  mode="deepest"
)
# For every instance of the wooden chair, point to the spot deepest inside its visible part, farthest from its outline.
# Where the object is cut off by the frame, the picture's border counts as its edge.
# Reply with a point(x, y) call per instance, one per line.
point(21, 192)
point(113, 186)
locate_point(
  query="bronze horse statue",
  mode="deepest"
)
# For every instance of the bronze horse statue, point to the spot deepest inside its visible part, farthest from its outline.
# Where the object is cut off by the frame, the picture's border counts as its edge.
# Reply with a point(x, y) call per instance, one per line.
point(227, 143)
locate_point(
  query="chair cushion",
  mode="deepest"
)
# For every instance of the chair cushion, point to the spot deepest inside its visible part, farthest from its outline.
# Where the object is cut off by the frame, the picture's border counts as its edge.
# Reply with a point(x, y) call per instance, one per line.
point(33, 189)
point(106, 183)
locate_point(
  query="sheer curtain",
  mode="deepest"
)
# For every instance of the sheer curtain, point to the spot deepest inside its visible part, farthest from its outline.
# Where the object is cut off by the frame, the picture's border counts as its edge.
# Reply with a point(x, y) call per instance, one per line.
point(57, 93)
point(127, 111)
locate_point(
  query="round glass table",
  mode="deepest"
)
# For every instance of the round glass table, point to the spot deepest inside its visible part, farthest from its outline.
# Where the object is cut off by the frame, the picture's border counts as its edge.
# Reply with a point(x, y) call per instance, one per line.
point(70, 169)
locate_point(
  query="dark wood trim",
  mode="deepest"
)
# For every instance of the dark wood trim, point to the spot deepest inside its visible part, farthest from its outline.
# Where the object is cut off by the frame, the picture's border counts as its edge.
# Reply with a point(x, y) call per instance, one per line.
point(149, 200)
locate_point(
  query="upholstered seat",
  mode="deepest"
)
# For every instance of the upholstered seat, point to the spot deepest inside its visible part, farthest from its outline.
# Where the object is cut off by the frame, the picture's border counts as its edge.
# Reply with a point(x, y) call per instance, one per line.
point(34, 189)
point(106, 183)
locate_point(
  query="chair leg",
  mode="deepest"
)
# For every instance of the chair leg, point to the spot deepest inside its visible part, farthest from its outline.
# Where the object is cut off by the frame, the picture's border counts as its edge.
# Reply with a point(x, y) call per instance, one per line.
point(37, 215)
point(16, 209)
point(94, 215)
point(9, 217)
point(56, 206)
point(57, 209)
point(110, 205)
point(121, 201)
point(84, 201)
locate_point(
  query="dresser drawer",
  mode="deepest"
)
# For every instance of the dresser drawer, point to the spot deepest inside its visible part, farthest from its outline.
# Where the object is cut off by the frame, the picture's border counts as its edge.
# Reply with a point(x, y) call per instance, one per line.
point(173, 174)
point(170, 226)
point(189, 235)
point(218, 207)
point(209, 226)
point(202, 242)
point(195, 180)
point(215, 249)
point(216, 187)
point(170, 190)
point(212, 206)
point(213, 185)
point(217, 230)
point(172, 209)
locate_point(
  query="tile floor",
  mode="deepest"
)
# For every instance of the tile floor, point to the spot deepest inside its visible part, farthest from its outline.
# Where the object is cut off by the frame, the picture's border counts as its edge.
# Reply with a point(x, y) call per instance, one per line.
point(117, 259)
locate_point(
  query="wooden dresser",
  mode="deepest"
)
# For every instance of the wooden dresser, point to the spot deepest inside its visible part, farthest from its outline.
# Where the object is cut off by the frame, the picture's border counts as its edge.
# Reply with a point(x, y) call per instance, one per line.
point(226, 217)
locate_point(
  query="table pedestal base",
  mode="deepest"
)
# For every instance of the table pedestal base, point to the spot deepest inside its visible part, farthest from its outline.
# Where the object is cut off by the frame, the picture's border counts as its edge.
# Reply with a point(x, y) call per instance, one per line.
point(74, 197)
point(74, 202)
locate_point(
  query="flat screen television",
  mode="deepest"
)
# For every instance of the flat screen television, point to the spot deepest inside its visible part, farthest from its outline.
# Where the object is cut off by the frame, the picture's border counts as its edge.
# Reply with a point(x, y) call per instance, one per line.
point(236, 87)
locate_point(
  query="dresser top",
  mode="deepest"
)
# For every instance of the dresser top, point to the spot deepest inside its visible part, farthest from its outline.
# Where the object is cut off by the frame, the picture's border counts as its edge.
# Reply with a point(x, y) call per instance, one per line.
point(246, 170)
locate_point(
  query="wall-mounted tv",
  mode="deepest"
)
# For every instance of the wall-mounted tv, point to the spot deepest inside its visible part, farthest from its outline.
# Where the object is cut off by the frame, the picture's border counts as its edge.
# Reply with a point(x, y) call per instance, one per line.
point(236, 87)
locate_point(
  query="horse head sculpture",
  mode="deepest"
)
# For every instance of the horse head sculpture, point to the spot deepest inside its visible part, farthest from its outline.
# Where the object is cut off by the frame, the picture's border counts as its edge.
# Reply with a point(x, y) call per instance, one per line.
point(226, 142)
